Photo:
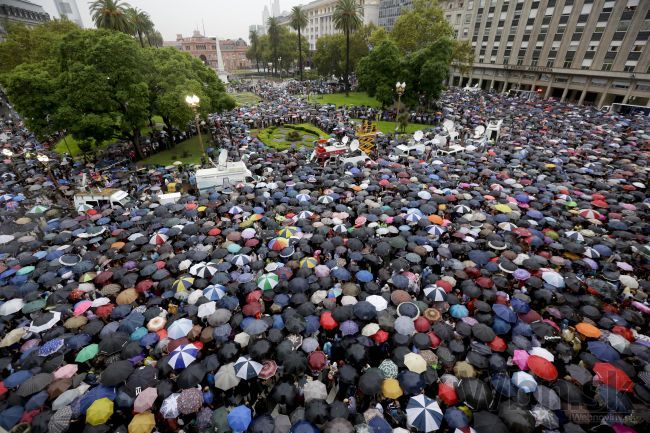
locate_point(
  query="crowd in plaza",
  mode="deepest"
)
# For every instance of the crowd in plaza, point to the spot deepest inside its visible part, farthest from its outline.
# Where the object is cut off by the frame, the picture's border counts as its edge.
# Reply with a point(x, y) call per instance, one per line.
point(502, 289)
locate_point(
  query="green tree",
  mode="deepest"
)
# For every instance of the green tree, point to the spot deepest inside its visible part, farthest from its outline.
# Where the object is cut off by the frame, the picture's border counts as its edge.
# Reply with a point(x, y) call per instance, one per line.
point(299, 22)
point(463, 57)
point(112, 15)
point(420, 26)
point(425, 71)
point(254, 52)
point(379, 71)
point(141, 23)
point(347, 18)
point(24, 44)
point(327, 57)
point(273, 32)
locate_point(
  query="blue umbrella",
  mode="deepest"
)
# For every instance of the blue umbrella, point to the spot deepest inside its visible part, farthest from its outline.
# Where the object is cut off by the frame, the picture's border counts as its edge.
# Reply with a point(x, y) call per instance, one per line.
point(340, 274)
point(603, 351)
point(240, 418)
point(379, 425)
point(50, 347)
point(458, 311)
point(504, 313)
point(456, 418)
point(423, 413)
point(10, 417)
point(304, 427)
point(364, 276)
point(16, 379)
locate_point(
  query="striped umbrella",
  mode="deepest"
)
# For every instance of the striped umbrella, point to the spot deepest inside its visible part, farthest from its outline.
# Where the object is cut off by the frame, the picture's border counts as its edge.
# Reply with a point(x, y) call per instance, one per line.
point(214, 292)
point(183, 356)
point(589, 214)
point(204, 270)
point(158, 239)
point(182, 284)
point(325, 199)
point(246, 368)
point(268, 281)
point(240, 260)
point(435, 293)
point(436, 230)
point(278, 244)
point(235, 210)
point(308, 263)
point(303, 198)
point(288, 231)
point(340, 228)
point(413, 217)
point(507, 226)
point(423, 413)
point(461, 209)
point(305, 215)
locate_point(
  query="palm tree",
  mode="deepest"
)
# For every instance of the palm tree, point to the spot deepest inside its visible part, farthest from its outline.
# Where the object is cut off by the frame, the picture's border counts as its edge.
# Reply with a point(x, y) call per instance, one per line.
point(254, 49)
point(347, 17)
point(141, 23)
point(111, 14)
point(299, 22)
point(274, 39)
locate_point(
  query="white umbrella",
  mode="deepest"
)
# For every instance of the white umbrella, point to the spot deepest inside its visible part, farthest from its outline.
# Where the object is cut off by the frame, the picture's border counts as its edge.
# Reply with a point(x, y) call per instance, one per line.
point(38, 326)
point(206, 309)
point(314, 390)
point(11, 306)
point(226, 378)
point(169, 407)
point(246, 368)
point(179, 329)
point(379, 302)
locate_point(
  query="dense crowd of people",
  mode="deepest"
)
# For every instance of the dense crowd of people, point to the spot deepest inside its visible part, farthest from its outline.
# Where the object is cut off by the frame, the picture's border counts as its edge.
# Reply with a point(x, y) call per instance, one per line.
point(502, 289)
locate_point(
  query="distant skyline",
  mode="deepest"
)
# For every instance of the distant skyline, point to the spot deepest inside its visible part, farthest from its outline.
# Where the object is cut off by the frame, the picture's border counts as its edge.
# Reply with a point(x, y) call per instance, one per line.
point(222, 18)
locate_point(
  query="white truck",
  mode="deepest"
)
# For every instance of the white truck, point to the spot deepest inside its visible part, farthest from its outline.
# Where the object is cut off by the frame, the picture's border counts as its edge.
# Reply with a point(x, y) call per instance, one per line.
point(98, 198)
point(415, 147)
point(226, 173)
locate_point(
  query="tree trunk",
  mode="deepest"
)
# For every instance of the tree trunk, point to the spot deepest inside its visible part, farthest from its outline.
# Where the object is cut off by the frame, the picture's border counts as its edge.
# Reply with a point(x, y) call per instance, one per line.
point(300, 53)
point(347, 62)
point(136, 143)
point(141, 40)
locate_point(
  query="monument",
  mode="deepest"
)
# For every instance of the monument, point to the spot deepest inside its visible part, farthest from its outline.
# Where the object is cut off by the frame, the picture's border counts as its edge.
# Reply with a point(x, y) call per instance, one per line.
point(221, 70)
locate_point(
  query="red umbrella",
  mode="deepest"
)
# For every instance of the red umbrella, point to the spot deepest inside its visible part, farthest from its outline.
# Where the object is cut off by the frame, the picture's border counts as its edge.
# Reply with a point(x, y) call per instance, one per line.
point(612, 376)
point(317, 360)
point(104, 311)
point(143, 286)
point(380, 336)
point(447, 394)
point(327, 321)
point(484, 282)
point(269, 368)
point(542, 367)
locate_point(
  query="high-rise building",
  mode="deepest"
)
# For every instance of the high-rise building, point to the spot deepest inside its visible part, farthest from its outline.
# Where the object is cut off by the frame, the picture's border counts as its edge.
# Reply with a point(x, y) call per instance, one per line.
point(320, 18)
point(261, 30)
point(69, 10)
point(265, 15)
point(20, 11)
point(389, 10)
point(583, 51)
point(275, 8)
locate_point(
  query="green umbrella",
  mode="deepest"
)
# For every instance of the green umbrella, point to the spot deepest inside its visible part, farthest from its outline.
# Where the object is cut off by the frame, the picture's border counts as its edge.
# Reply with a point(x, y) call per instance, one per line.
point(87, 353)
point(33, 306)
point(220, 420)
point(268, 281)
point(38, 209)
point(25, 270)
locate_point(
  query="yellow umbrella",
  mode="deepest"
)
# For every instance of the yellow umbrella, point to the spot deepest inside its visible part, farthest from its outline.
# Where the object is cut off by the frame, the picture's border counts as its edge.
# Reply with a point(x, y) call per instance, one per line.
point(99, 412)
point(390, 389)
point(13, 337)
point(504, 208)
point(464, 370)
point(127, 296)
point(142, 423)
point(415, 362)
point(308, 263)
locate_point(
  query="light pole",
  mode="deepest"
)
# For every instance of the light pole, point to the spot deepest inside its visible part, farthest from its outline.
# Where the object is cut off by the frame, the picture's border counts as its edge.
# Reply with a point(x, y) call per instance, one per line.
point(44, 159)
point(193, 101)
point(399, 88)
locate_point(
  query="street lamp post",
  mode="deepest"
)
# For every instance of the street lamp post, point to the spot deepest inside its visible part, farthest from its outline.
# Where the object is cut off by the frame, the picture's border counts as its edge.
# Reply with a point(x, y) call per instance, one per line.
point(399, 88)
point(193, 101)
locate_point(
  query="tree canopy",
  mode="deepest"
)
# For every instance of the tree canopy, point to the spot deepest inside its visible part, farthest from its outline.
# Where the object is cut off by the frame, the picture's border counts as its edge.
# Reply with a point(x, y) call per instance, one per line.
point(328, 60)
point(421, 25)
point(101, 85)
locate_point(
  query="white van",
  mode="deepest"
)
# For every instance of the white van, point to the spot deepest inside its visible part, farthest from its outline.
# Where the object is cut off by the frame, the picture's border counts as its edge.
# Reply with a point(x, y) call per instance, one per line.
point(226, 173)
point(98, 198)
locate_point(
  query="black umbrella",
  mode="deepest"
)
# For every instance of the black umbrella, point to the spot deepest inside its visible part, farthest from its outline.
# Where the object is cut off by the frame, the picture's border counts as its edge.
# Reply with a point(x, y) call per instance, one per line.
point(474, 392)
point(116, 373)
point(370, 381)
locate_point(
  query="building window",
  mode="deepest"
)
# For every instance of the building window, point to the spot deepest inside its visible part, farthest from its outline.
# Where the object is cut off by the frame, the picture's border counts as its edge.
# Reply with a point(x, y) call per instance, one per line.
point(520, 61)
point(549, 63)
point(607, 66)
point(567, 64)
point(586, 63)
point(628, 68)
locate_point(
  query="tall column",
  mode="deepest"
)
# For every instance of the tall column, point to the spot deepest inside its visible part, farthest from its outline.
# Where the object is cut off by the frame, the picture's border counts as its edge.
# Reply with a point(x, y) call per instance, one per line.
point(629, 91)
point(492, 84)
point(601, 101)
point(584, 91)
point(480, 81)
point(565, 92)
point(548, 88)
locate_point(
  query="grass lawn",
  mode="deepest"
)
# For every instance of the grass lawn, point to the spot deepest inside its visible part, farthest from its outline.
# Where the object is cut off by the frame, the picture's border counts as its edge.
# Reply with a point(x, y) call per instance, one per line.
point(339, 99)
point(168, 157)
point(277, 137)
point(245, 98)
point(389, 127)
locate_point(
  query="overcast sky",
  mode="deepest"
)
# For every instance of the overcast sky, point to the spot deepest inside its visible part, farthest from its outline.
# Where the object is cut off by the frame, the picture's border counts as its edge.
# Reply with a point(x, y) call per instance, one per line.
point(223, 18)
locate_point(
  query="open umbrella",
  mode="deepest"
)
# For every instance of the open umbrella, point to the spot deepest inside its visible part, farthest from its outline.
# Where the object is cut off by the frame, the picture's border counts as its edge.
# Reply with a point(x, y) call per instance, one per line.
point(423, 413)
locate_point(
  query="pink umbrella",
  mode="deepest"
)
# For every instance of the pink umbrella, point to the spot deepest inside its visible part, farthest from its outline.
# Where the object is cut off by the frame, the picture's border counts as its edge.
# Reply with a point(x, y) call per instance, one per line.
point(321, 271)
point(145, 400)
point(622, 428)
point(81, 307)
point(520, 358)
point(66, 372)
